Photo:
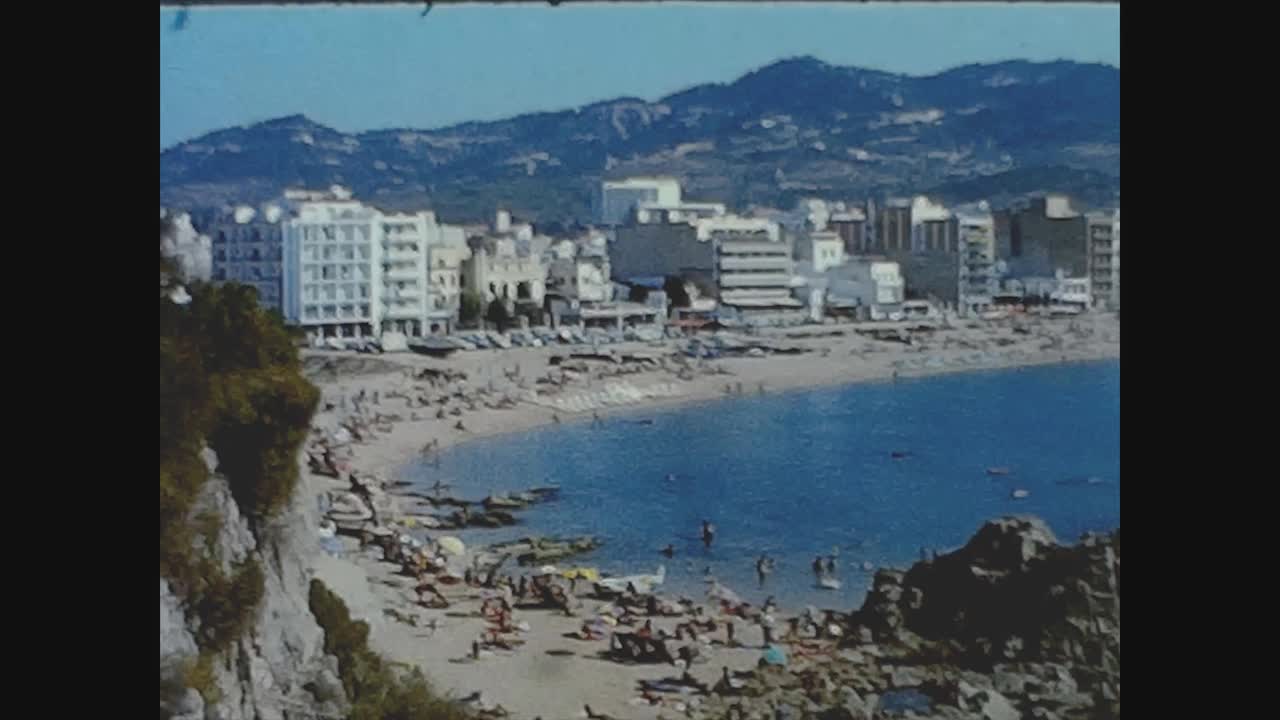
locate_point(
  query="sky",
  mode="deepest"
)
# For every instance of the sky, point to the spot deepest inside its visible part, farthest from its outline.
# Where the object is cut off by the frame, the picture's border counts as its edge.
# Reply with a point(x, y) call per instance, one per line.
point(365, 68)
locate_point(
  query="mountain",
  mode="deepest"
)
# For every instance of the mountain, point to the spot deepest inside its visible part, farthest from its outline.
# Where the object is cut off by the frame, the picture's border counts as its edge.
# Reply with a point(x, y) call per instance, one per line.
point(796, 127)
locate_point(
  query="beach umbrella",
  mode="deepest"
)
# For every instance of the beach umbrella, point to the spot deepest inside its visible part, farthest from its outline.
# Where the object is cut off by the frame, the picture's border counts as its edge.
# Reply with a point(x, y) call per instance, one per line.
point(548, 570)
point(451, 545)
point(774, 655)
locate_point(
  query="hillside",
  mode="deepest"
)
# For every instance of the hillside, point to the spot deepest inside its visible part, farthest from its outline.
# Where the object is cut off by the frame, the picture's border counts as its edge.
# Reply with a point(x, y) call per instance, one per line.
point(795, 127)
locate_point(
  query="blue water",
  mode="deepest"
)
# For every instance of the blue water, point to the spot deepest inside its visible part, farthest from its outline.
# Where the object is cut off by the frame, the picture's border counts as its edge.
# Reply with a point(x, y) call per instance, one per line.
point(798, 474)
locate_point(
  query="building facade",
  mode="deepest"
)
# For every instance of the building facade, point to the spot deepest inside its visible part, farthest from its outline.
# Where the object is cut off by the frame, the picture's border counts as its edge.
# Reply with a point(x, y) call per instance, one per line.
point(754, 270)
point(247, 246)
point(447, 251)
point(978, 282)
point(497, 271)
point(1103, 260)
point(1045, 237)
point(823, 249)
point(1115, 239)
point(333, 269)
point(659, 250)
point(617, 200)
point(851, 226)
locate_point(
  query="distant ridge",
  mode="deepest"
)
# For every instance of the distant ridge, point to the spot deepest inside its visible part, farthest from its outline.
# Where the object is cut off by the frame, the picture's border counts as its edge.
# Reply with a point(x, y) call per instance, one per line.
point(796, 127)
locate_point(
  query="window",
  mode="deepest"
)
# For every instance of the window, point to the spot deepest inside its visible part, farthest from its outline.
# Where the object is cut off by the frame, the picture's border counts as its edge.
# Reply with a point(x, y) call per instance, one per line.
point(326, 272)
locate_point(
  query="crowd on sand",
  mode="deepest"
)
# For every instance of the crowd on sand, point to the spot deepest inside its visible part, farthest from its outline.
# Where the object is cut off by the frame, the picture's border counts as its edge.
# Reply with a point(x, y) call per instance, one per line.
point(706, 644)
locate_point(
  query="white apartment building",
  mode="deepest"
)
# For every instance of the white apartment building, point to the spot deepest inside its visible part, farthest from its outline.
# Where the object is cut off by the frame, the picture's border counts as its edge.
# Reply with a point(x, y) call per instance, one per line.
point(332, 274)
point(618, 199)
point(978, 280)
point(404, 273)
point(350, 270)
point(753, 269)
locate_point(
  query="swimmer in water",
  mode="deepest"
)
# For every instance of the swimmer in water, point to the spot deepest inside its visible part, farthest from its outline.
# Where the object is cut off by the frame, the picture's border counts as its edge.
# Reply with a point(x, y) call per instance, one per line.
point(708, 533)
point(669, 550)
point(763, 566)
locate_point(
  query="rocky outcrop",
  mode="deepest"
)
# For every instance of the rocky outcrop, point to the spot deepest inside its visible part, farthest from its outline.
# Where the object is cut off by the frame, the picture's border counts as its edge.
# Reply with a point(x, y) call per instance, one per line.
point(1012, 594)
point(1013, 625)
point(278, 669)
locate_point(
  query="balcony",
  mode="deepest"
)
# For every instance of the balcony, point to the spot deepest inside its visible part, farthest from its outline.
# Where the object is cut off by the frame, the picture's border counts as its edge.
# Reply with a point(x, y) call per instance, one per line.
point(732, 262)
point(744, 280)
point(406, 294)
point(401, 274)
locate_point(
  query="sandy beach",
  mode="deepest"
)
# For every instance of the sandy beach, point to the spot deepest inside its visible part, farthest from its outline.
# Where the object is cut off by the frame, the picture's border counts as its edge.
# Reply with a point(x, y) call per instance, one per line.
point(551, 675)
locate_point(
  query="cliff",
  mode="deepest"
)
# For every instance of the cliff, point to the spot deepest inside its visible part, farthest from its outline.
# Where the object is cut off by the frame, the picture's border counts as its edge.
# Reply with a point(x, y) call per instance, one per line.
point(277, 669)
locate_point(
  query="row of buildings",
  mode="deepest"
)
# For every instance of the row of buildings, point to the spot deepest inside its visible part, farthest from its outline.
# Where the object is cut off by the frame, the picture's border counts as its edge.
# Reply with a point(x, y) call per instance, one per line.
point(869, 255)
point(337, 266)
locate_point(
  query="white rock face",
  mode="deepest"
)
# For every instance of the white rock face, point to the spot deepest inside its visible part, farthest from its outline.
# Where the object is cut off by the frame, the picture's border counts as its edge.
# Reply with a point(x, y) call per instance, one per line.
point(262, 675)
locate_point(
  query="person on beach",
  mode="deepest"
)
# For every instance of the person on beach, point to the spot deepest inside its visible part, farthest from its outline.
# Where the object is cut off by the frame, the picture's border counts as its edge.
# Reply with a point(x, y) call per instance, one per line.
point(729, 630)
point(459, 426)
point(555, 418)
point(761, 388)
point(708, 533)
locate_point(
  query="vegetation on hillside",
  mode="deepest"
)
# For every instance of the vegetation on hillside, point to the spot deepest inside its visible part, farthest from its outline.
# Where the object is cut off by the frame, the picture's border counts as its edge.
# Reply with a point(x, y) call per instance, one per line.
point(376, 690)
point(231, 380)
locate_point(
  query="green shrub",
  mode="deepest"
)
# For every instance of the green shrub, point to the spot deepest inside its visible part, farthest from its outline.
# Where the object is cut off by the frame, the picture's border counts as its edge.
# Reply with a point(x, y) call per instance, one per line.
point(376, 690)
point(226, 605)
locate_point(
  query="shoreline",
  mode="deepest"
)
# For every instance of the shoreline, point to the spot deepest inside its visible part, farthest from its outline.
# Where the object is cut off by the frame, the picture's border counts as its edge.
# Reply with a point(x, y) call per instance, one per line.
point(526, 681)
point(779, 373)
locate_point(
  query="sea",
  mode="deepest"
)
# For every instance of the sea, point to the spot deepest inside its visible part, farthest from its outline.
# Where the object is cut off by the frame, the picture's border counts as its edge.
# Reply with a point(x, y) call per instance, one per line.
point(875, 474)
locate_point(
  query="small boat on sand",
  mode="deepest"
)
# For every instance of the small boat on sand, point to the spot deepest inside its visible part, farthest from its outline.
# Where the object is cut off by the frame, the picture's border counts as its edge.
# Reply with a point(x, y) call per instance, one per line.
point(996, 471)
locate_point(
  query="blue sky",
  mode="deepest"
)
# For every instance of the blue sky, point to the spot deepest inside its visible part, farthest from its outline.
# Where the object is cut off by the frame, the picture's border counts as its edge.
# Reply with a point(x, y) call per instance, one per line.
point(362, 68)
